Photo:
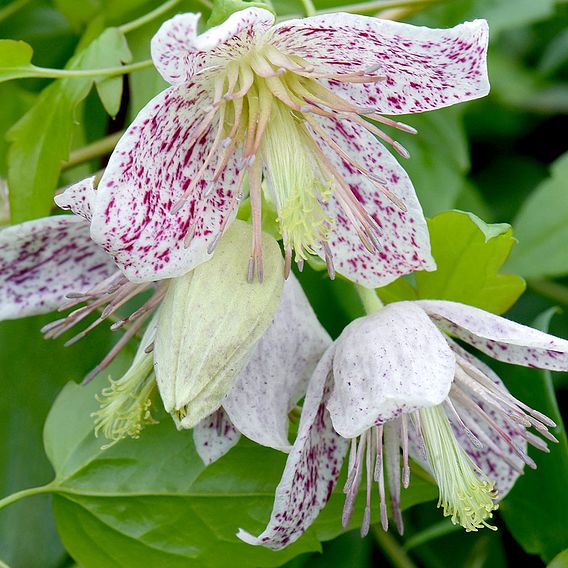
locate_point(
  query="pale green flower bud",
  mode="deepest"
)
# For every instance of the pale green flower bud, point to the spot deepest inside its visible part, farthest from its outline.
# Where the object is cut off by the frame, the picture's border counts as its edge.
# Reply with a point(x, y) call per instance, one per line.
point(209, 321)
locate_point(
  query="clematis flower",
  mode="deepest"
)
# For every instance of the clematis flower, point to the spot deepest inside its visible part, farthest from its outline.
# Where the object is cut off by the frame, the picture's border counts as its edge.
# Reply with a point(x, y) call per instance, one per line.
point(294, 112)
point(257, 404)
point(394, 383)
point(52, 263)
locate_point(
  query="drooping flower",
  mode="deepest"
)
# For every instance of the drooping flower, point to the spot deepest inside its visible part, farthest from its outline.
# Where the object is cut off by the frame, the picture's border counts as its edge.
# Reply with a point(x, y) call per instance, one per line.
point(297, 110)
point(256, 405)
point(394, 384)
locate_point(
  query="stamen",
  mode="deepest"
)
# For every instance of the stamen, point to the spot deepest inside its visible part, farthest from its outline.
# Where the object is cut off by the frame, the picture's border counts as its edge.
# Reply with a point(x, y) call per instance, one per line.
point(404, 437)
point(380, 478)
point(466, 494)
point(392, 454)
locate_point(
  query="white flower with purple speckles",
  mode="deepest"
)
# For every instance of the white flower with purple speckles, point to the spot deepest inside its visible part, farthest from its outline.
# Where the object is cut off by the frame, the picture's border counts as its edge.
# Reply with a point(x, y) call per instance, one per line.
point(293, 108)
point(393, 381)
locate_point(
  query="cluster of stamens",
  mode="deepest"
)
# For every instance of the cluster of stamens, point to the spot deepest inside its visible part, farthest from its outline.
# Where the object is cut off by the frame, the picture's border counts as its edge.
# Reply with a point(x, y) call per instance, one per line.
point(467, 494)
point(107, 298)
point(257, 99)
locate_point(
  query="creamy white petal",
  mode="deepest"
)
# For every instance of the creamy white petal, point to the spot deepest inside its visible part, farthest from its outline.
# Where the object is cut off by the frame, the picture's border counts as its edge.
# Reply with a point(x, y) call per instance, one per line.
point(43, 260)
point(311, 470)
point(498, 337)
point(214, 436)
point(79, 198)
point(278, 372)
point(387, 363)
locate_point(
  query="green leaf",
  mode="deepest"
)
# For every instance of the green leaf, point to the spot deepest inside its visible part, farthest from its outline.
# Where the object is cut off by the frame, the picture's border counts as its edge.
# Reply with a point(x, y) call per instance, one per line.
point(15, 59)
point(469, 254)
point(152, 502)
point(33, 371)
point(438, 177)
point(501, 14)
point(535, 509)
point(41, 139)
point(542, 228)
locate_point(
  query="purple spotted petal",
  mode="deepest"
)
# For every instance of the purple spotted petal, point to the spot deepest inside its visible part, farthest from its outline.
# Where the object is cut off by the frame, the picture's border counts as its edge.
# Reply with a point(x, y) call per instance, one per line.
point(387, 363)
point(498, 337)
point(488, 459)
point(43, 260)
point(404, 235)
point(424, 68)
point(179, 53)
point(214, 436)
point(153, 164)
point(278, 372)
point(79, 198)
point(311, 470)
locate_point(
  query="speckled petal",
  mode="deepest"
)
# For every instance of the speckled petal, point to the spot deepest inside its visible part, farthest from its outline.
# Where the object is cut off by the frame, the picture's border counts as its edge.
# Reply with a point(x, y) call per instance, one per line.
point(214, 436)
point(148, 172)
point(43, 260)
point(424, 68)
point(498, 337)
point(278, 372)
point(79, 198)
point(387, 363)
point(179, 53)
point(404, 235)
point(311, 470)
point(496, 468)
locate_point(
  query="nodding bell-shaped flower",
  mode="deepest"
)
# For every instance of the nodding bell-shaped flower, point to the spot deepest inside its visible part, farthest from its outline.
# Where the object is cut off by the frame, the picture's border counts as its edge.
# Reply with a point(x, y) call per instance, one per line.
point(295, 110)
point(394, 385)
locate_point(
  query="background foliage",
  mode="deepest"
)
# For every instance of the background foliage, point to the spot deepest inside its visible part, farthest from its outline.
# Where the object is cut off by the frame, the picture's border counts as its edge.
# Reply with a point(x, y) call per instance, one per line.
point(150, 501)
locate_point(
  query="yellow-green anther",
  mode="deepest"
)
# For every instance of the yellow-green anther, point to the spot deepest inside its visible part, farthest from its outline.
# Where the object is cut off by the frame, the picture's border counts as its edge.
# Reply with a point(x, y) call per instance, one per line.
point(208, 323)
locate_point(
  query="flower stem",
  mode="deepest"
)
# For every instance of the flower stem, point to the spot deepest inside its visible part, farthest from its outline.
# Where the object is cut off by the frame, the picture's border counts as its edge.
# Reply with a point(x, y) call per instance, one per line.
point(371, 302)
point(309, 7)
point(391, 549)
point(12, 8)
point(142, 20)
point(48, 73)
point(26, 493)
point(364, 7)
point(99, 148)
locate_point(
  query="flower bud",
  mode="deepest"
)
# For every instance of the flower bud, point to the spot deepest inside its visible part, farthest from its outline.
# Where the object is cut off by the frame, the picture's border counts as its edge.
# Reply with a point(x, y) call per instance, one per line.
point(209, 321)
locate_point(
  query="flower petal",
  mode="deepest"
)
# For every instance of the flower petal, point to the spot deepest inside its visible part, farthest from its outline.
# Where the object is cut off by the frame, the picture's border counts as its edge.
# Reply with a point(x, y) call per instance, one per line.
point(153, 164)
point(311, 470)
point(214, 436)
point(179, 53)
point(390, 362)
point(43, 260)
point(79, 198)
point(424, 68)
point(498, 337)
point(404, 235)
point(488, 459)
point(277, 374)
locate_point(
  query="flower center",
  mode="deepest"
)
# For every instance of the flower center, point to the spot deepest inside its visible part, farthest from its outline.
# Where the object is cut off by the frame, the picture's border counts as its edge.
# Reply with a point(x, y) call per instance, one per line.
point(125, 404)
point(268, 111)
point(466, 493)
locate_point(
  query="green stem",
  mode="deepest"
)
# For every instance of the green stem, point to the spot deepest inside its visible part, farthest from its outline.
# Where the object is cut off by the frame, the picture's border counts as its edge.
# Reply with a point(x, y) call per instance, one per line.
point(364, 7)
point(96, 149)
point(371, 302)
point(391, 548)
point(70, 73)
point(12, 8)
point(309, 7)
point(26, 493)
point(139, 22)
point(551, 290)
